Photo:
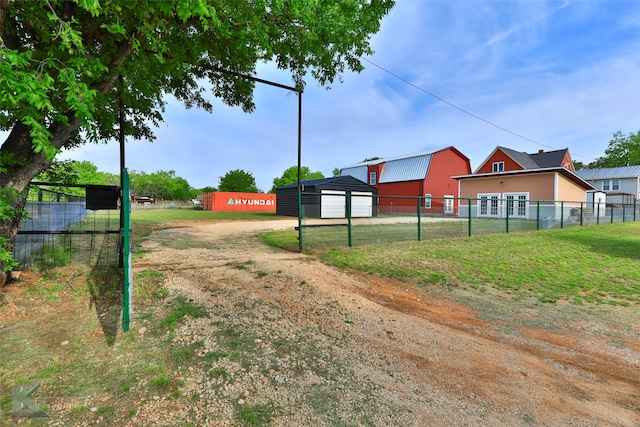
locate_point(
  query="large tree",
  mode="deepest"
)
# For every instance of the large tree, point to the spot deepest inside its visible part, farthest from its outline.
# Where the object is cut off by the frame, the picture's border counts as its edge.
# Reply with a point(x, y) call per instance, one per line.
point(64, 64)
point(623, 150)
point(160, 185)
point(238, 181)
point(290, 176)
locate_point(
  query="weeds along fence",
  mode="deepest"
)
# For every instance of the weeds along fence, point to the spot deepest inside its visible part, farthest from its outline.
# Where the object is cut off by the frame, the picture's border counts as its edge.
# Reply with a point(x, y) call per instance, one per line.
point(346, 219)
point(65, 224)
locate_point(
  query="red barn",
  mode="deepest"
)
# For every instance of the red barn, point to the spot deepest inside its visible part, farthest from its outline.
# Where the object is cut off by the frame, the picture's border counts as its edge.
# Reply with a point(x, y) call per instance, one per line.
point(423, 174)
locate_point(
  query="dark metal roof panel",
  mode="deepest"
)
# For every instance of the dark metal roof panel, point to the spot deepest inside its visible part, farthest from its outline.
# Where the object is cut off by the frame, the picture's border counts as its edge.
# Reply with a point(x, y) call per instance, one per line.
point(549, 159)
point(521, 158)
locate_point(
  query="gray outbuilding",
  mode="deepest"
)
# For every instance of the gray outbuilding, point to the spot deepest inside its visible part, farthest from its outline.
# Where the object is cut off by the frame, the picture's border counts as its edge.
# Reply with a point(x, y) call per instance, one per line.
point(327, 198)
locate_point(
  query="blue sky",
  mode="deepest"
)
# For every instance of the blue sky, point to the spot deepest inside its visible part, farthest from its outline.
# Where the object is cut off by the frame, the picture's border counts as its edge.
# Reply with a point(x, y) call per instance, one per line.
point(553, 74)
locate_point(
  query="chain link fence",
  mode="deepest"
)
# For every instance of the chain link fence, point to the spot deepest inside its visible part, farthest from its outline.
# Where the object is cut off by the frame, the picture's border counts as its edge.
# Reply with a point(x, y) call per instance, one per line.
point(345, 219)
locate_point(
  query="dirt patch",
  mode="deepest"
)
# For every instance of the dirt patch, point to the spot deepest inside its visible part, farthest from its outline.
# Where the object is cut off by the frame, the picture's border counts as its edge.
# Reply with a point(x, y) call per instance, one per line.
point(435, 361)
point(315, 345)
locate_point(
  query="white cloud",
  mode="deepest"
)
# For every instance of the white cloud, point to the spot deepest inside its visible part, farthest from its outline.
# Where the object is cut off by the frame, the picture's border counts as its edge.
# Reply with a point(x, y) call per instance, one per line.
point(562, 74)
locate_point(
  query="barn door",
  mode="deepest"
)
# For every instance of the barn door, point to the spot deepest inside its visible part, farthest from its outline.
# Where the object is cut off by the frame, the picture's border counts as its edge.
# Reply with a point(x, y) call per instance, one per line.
point(361, 204)
point(333, 204)
point(448, 204)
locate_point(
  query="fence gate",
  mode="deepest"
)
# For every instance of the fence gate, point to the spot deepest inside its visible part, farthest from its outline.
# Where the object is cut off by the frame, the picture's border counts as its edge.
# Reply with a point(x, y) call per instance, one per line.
point(69, 223)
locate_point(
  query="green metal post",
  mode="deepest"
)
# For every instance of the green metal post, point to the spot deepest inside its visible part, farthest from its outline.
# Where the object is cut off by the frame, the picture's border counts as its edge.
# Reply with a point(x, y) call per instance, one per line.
point(598, 215)
point(624, 205)
point(419, 217)
point(126, 252)
point(562, 214)
point(581, 213)
point(348, 196)
point(538, 215)
point(507, 216)
point(300, 244)
point(469, 200)
point(612, 213)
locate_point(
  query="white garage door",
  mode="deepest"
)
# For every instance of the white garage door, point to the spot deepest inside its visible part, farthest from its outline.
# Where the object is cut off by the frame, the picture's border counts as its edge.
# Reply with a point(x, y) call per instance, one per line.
point(333, 204)
point(361, 204)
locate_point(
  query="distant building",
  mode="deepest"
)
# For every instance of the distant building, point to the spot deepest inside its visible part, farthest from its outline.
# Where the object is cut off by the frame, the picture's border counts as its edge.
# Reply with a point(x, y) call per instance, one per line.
point(423, 174)
point(327, 198)
point(621, 184)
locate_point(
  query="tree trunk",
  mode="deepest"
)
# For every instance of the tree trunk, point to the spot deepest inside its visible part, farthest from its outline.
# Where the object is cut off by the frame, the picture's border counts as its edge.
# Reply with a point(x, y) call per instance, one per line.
point(21, 165)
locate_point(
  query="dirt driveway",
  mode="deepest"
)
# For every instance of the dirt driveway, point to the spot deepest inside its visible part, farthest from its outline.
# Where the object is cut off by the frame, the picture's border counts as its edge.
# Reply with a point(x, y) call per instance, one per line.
point(329, 347)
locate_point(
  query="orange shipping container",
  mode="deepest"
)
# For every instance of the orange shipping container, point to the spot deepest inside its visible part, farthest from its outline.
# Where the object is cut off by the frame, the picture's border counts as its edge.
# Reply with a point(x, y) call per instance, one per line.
point(246, 202)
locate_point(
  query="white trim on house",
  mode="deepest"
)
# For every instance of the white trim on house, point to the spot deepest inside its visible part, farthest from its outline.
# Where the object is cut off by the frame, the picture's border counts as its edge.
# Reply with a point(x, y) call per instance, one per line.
point(517, 204)
point(448, 204)
point(489, 205)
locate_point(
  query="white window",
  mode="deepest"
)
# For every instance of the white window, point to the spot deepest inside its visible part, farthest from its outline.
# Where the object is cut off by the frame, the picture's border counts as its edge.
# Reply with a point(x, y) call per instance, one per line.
point(498, 167)
point(489, 204)
point(517, 204)
point(427, 201)
point(611, 184)
point(372, 178)
point(448, 204)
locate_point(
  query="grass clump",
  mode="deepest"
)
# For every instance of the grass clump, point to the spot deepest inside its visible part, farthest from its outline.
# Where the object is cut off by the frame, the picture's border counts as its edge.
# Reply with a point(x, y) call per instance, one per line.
point(179, 308)
point(257, 414)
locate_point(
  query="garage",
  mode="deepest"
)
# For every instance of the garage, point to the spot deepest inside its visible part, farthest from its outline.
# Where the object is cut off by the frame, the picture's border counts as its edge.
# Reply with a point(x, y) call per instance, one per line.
point(327, 198)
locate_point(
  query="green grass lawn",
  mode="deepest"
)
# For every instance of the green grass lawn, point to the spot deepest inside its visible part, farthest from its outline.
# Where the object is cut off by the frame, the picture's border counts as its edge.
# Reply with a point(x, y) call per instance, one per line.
point(596, 264)
point(167, 215)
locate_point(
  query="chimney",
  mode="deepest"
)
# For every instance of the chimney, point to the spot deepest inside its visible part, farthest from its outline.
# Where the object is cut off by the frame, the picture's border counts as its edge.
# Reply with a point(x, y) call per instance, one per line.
point(540, 151)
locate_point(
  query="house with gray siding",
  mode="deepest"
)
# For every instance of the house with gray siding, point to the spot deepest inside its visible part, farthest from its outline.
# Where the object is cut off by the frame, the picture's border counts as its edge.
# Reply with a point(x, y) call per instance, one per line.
point(621, 184)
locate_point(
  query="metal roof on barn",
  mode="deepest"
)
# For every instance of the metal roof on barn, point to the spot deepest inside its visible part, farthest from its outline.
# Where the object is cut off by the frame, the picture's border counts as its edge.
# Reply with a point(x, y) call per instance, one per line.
point(609, 173)
point(407, 169)
point(396, 169)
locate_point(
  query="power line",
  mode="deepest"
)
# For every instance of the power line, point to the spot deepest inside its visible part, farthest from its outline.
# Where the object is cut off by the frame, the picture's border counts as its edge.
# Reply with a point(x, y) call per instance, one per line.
point(475, 116)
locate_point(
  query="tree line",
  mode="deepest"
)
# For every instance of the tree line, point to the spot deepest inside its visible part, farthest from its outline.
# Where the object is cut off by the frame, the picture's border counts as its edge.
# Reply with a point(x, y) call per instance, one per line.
point(159, 185)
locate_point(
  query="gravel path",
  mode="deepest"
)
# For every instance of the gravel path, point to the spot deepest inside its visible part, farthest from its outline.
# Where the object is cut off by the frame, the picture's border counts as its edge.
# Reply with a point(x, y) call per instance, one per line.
point(305, 344)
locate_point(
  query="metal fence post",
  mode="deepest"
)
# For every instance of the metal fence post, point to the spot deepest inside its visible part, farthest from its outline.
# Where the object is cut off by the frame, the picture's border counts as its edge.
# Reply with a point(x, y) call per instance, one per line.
point(624, 205)
point(581, 213)
point(612, 206)
point(562, 214)
point(537, 214)
point(348, 196)
point(470, 216)
point(419, 217)
point(300, 244)
point(598, 214)
point(507, 215)
point(126, 252)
